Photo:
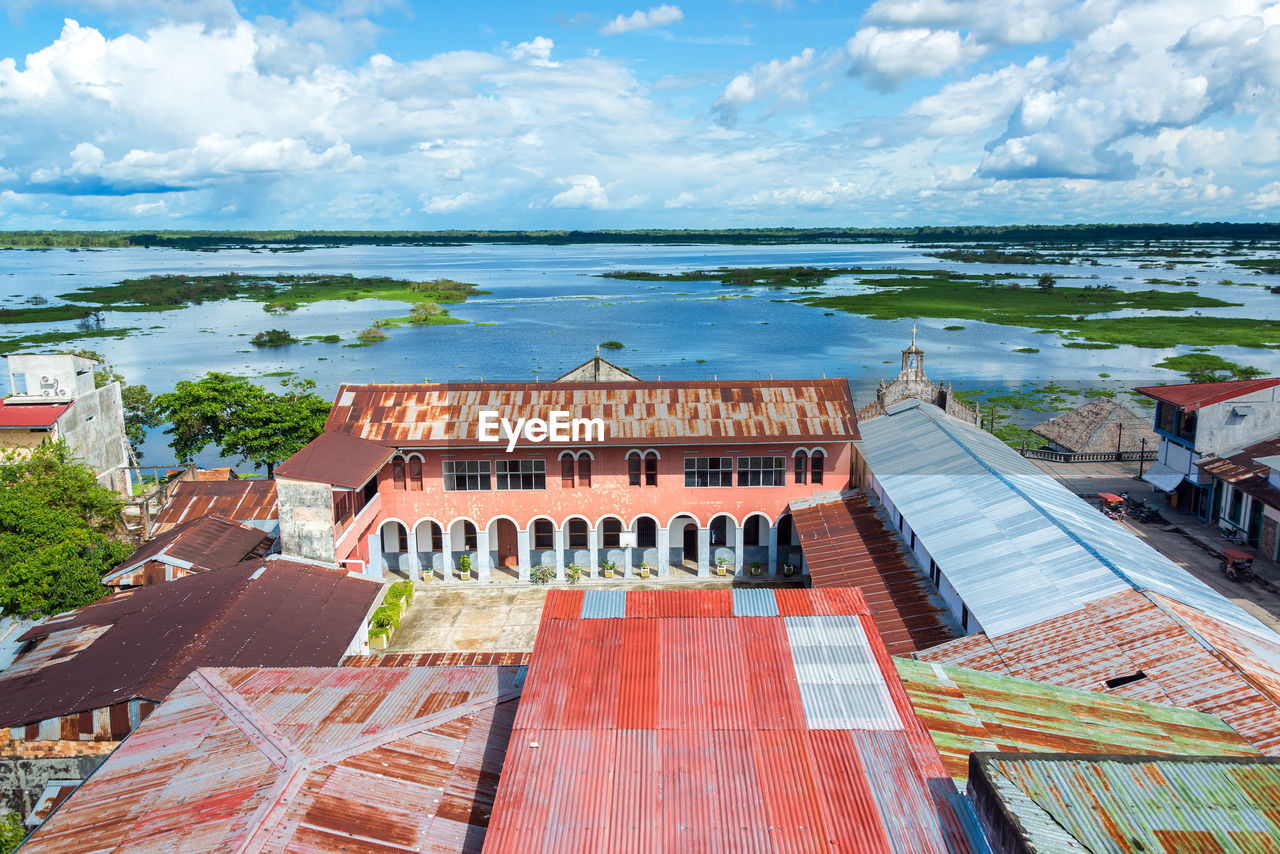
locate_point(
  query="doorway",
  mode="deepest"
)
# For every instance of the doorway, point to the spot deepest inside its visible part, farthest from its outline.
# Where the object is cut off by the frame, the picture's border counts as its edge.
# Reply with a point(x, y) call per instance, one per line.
point(508, 548)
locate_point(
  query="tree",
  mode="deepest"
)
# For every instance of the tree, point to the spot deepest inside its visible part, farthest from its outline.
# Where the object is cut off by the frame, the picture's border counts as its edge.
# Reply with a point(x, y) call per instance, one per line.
point(1046, 282)
point(58, 533)
point(242, 419)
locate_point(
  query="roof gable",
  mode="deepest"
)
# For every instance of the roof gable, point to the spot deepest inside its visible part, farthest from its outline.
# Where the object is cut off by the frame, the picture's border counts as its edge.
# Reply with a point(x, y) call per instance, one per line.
point(1192, 396)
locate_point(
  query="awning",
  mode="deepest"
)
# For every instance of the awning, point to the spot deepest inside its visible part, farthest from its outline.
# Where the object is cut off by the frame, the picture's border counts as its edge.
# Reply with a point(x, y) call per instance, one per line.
point(1162, 477)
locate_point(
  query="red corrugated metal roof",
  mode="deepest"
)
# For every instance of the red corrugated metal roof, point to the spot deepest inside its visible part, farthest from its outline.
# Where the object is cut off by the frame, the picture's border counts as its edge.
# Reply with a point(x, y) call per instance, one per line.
point(212, 542)
point(1241, 470)
point(846, 544)
point(653, 412)
point(304, 760)
point(1192, 396)
point(31, 415)
point(1189, 659)
point(243, 500)
point(680, 727)
point(145, 641)
point(439, 659)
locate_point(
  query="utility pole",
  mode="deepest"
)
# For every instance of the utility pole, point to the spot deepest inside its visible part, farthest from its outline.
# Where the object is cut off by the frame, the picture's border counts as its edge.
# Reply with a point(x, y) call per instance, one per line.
point(1119, 436)
point(1142, 456)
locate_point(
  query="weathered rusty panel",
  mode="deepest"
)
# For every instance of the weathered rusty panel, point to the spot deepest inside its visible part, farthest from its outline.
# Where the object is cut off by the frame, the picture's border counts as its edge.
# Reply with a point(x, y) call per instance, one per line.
point(340, 459)
point(250, 500)
point(120, 720)
point(654, 412)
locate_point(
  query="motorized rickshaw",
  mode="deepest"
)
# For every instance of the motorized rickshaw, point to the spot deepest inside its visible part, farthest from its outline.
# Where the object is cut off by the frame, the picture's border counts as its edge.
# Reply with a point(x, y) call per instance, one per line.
point(1111, 504)
point(1236, 564)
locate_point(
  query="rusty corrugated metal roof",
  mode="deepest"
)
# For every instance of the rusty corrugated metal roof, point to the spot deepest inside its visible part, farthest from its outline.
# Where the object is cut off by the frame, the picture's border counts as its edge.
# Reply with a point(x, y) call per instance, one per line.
point(337, 458)
point(1192, 396)
point(1243, 471)
point(846, 544)
point(439, 659)
point(249, 500)
point(314, 760)
point(211, 542)
point(966, 711)
point(140, 644)
point(1186, 659)
point(1128, 804)
point(684, 726)
point(651, 412)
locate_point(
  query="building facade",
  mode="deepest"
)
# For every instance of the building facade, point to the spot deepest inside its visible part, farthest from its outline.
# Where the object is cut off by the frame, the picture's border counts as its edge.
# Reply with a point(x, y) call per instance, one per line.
point(1197, 419)
point(678, 477)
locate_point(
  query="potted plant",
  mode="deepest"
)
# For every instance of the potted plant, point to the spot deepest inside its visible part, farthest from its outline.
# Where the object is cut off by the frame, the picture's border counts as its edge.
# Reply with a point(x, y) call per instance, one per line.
point(645, 569)
point(755, 567)
point(464, 567)
point(609, 568)
point(573, 573)
point(788, 569)
point(722, 564)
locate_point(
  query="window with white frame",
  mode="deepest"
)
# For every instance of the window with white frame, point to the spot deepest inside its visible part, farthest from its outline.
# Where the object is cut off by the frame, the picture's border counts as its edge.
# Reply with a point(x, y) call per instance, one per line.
point(466, 475)
point(708, 471)
point(762, 471)
point(522, 474)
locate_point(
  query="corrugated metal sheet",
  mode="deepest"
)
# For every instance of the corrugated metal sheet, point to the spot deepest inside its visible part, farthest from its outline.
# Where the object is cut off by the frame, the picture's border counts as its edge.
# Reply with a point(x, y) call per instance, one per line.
point(209, 542)
point(1245, 472)
point(598, 604)
point(1017, 546)
point(336, 458)
point(682, 727)
point(31, 415)
point(1192, 396)
point(1145, 805)
point(243, 500)
point(148, 640)
point(967, 711)
point(379, 759)
point(754, 602)
point(847, 544)
point(1186, 659)
point(439, 659)
point(653, 412)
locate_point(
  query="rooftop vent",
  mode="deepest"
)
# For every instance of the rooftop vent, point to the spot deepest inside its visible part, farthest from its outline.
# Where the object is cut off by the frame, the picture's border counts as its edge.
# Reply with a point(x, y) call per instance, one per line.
point(1121, 681)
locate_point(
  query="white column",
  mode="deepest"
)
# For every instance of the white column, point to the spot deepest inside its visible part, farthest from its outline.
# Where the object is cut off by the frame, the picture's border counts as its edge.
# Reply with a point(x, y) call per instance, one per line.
point(522, 553)
point(704, 552)
point(738, 539)
point(482, 554)
point(594, 543)
point(374, 569)
point(664, 553)
point(559, 545)
point(413, 554)
point(446, 545)
point(773, 549)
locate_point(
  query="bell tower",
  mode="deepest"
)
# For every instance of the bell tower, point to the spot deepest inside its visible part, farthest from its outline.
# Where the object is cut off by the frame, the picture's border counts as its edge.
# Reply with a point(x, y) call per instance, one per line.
point(912, 360)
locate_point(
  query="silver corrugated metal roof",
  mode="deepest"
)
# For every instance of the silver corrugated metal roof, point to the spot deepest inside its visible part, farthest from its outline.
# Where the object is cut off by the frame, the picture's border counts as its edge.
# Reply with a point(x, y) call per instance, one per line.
point(754, 602)
point(603, 604)
point(1017, 546)
point(841, 686)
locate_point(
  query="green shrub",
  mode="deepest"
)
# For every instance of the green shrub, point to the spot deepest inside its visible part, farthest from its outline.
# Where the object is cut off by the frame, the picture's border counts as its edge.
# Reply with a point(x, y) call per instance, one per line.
point(273, 338)
point(612, 345)
point(388, 616)
point(11, 832)
point(542, 574)
point(377, 633)
point(371, 335)
point(396, 592)
point(573, 573)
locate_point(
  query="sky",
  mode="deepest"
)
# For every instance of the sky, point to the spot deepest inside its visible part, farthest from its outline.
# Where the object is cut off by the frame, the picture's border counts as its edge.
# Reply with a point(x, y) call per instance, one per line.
point(396, 114)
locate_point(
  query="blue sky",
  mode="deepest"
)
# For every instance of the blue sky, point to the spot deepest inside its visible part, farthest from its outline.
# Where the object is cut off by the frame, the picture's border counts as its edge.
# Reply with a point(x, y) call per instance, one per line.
point(171, 114)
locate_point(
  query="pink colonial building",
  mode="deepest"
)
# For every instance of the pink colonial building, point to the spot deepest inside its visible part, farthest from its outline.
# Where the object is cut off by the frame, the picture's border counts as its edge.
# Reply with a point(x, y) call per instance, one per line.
point(683, 476)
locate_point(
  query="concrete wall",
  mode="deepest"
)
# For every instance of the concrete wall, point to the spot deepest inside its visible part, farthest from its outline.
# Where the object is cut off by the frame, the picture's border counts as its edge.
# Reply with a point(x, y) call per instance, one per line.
point(22, 438)
point(22, 780)
point(50, 377)
point(306, 520)
point(94, 430)
point(1219, 429)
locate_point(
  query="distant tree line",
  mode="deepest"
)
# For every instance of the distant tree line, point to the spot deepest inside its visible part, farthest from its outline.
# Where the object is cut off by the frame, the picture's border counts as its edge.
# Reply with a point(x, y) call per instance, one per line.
point(1084, 233)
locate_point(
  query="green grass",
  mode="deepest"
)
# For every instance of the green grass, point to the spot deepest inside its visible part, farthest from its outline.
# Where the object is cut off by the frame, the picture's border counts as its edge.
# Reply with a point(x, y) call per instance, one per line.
point(953, 327)
point(325, 339)
point(1025, 350)
point(1266, 265)
point(41, 339)
point(612, 345)
point(1090, 345)
point(1206, 367)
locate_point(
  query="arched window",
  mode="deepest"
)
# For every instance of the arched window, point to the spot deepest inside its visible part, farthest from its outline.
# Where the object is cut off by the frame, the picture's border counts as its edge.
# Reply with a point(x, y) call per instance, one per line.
point(584, 470)
point(437, 538)
point(802, 466)
point(578, 534)
point(720, 531)
point(415, 473)
point(397, 473)
point(752, 531)
point(646, 533)
point(651, 469)
point(633, 468)
point(566, 471)
point(818, 459)
point(612, 536)
point(468, 536)
point(642, 465)
point(544, 534)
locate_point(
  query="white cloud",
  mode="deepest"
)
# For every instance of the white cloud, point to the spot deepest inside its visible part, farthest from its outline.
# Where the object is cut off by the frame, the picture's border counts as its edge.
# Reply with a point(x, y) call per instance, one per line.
point(449, 204)
point(888, 57)
point(585, 191)
point(684, 200)
point(657, 16)
point(774, 81)
point(535, 52)
point(149, 208)
point(980, 103)
point(991, 21)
